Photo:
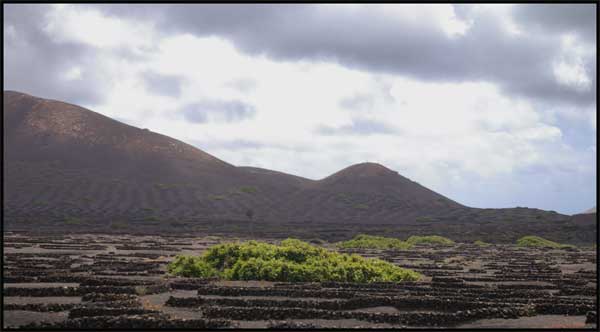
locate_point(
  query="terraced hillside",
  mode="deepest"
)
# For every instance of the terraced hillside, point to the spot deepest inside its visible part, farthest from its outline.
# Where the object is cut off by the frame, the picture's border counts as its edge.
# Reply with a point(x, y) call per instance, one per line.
point(66, 167)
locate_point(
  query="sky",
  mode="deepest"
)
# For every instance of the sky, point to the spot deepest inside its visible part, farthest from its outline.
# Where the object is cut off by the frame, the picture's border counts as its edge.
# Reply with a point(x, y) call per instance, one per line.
point(490, 105)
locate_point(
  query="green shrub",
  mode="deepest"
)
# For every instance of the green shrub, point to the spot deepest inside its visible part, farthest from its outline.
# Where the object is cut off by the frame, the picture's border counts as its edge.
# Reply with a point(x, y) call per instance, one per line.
point(481, 243)
point(429, 239)
point(374, 242)
point(344, 197)
point(424, 219)
point(161, 186)
point(361, 206)
point(536, 241)
point(292, 260)
point(74, 221)
point(248, 189)
point(217, 197)
point(190, 266)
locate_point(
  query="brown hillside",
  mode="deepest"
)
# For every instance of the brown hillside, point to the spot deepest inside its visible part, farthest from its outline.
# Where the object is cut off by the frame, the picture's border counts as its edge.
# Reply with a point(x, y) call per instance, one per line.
point(368, 192)
point(63, 162)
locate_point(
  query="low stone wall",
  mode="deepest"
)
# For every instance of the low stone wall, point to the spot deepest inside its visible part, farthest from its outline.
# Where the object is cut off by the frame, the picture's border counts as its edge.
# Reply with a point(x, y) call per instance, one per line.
point(131, 322)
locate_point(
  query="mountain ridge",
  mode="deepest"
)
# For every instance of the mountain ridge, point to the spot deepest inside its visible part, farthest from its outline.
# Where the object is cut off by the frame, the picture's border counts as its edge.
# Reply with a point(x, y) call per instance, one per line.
point(64, 161)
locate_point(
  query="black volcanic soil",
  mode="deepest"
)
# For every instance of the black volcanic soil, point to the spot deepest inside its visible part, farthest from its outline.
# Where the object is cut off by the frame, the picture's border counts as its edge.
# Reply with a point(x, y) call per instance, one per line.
point(120, 282)
point(67, 168)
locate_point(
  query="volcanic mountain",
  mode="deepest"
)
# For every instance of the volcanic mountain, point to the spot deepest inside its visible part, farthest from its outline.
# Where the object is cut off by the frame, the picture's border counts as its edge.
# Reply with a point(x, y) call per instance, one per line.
point(62, 160)
point(368, 192)
point(592, 210)
point(587, 217)
point(64, 164)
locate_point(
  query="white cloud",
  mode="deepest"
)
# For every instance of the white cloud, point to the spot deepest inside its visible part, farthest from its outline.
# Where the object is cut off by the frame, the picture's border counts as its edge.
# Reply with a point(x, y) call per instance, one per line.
point(68, 23)
point(569, 69)
point(442, 15)
point(469, 125)
point(572, 74)
point(73, 74)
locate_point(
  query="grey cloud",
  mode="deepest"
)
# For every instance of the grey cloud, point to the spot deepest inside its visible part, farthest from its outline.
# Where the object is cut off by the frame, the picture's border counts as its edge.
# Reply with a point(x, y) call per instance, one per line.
point(558, 18)
point(218, 111)
point(161, 84)
point(36, 64)
point(357, 102)
point(193, 113)
point(521, 66)
point(359, 127)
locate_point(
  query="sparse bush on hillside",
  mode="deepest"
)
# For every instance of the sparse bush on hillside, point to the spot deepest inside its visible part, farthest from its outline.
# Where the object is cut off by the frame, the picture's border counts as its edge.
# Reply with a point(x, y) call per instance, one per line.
point(292, 260)
point(536, 241)
point(344, 197)
point(429, 239)
point(374, 242)
point(424, 219)
point(361, 206)
point(248, 189)
point(481, 243)
point(74, 221)
point(217, 197)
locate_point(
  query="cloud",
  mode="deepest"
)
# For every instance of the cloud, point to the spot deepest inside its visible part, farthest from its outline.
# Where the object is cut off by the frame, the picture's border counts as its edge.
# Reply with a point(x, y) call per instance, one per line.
point(410, 40)
point(39, 65)
point(161, 84)
point(218, 111)
point(232, 145)
point(244, 85)
point(357, 127)
point(357, 102)
point(579, 19)
point(239, 144)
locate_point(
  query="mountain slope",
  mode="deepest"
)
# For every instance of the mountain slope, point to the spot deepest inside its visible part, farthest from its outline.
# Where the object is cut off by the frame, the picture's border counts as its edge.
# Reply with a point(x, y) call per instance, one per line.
point(368, 193)
point(63, 160)
point(592, 210)
point(66, 165)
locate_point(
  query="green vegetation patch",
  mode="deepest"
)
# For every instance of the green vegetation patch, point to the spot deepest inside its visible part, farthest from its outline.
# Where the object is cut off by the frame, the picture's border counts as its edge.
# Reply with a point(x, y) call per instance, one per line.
point(292, 260)
point(374, 242)
point(361, 206)
point(430, 239)
point(425, 219)
point(481, 243)
point(248, 189)
point(165, 186)
point(536, 241)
